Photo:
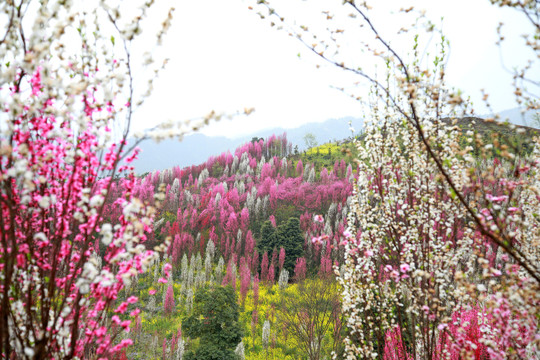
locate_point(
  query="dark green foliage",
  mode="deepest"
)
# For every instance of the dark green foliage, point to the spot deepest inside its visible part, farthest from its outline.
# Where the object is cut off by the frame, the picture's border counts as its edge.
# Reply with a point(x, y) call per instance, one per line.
point(284, 211)
point(292, 240)
point(269, 238)
point(288, 235)
point(215, 322)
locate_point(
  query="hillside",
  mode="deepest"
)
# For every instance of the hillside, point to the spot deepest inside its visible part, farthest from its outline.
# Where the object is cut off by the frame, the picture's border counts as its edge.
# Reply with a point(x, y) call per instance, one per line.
point(515, 116)
point(248, 214)
point(266, 220)
point(516, 137)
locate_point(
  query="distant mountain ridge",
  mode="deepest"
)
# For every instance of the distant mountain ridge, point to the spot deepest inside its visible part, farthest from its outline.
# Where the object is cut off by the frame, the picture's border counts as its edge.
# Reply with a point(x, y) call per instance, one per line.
point(197, 148)
point(516, 117)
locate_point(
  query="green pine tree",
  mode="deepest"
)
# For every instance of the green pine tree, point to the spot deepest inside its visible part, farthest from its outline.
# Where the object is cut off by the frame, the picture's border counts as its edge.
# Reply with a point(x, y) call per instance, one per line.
point(291, 239)
point(214, 321)
point(268, 239)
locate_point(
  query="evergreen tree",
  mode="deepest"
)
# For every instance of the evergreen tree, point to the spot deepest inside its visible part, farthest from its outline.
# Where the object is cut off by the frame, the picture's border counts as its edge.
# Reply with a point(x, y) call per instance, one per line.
point(291, 239)
point(268, 237)
point(215, 322)
point(287, 236)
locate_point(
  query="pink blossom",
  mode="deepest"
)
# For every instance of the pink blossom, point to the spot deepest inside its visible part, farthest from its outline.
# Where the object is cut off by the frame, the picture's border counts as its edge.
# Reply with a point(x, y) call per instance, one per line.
point(169, 304)
point(245, 279)
point(125, 324)
point(35, 81)
point(524, 169)
point(394, 348)
point(167, 269)
point(101, 331)
point(300, 269)
point(319, 239)
point(122, 308)
point(124, 343)
point(21, 259)
point(132, 299)
point(496, 198)
point(486, 214)
point(318, 218)
point(281, 258)
point(152, 291)
point(316, 240)
point(162, 280)
point(404, 268)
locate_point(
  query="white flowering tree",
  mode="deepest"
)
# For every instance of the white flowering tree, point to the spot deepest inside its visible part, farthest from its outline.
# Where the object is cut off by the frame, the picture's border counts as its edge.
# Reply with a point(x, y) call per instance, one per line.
point(442, 257)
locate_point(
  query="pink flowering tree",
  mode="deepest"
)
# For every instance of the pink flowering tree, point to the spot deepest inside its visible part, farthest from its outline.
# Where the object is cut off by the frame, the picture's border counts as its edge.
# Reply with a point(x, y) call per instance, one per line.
point(168, 305)
point(264, 266)
point(245, 280)
point(256, 291)
point(281, 258)
point(62, 94)
point(271, 274)
point(300, 269)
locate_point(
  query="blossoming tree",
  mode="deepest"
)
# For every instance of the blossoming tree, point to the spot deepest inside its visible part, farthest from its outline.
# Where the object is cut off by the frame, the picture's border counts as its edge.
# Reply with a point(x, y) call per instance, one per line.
point(65, 84)
point(442, 256)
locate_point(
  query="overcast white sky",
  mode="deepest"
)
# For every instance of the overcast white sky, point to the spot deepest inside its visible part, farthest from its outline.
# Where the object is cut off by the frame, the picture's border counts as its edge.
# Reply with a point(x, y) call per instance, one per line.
point(224, 58)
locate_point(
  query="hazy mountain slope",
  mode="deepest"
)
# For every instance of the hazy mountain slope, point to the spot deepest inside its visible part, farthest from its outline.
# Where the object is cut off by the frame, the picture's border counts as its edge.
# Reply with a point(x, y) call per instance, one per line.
point(330, 130)
point(197, 148)
point(515, 116)
point(194, 149)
